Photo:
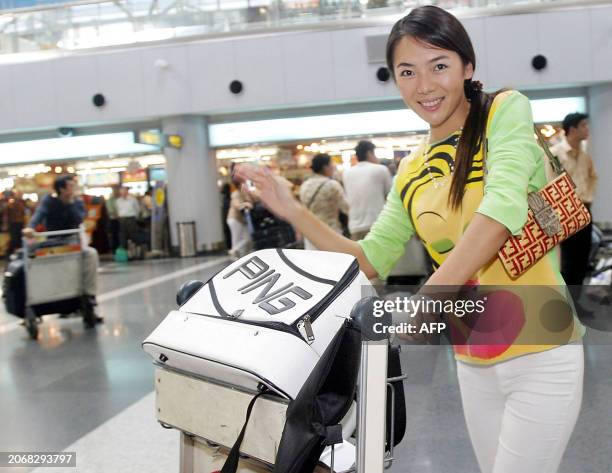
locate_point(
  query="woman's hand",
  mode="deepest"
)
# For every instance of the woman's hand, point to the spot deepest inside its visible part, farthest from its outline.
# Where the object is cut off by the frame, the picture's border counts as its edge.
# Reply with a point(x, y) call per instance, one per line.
point(271, 190)
point(275, 193)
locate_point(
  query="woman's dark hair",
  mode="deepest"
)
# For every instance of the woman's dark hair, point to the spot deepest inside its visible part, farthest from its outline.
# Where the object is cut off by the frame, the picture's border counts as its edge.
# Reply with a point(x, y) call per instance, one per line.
point(319, 162)
point(436, 27)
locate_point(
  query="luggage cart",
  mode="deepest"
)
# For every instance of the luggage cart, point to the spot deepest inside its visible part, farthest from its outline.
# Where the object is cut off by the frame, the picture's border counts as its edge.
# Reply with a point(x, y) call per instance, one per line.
point(240, 375)
point(209, 417)
point(53, 272)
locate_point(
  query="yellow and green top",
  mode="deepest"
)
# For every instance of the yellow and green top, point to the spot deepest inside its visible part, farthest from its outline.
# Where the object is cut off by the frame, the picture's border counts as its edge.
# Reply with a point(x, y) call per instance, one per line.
point(418, 204)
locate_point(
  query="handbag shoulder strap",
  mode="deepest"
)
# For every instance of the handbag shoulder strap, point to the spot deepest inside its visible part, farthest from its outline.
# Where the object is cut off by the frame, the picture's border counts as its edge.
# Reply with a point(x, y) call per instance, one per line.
point(555, 164)
point(484, 139)
point(315, 194)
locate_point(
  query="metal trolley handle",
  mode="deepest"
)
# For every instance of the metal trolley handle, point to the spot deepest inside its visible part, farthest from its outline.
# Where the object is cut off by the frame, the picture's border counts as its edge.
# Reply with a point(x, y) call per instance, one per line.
point(72, 231)
point(388, 460)
point(80, 232)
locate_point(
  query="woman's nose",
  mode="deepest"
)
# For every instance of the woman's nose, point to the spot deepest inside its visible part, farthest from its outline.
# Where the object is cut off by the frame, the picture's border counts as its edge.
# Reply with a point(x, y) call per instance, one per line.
point(425, 84)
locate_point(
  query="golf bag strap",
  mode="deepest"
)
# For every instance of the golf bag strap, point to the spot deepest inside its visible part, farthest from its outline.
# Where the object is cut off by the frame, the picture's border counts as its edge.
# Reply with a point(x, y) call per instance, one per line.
point(332, 434)
point(231, 464)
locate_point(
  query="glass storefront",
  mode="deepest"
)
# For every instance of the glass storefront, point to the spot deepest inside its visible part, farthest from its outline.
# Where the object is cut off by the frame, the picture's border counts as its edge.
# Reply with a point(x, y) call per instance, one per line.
point(95, 177)
point(24, 185)
point(292, 159)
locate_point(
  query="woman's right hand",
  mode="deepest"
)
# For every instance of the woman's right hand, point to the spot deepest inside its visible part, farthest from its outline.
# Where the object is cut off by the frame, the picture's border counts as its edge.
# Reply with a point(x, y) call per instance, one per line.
point(272, 191)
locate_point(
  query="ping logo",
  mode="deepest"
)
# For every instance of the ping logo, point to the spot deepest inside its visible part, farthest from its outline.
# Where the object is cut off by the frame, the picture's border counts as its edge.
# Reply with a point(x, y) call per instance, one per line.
point(261, 276)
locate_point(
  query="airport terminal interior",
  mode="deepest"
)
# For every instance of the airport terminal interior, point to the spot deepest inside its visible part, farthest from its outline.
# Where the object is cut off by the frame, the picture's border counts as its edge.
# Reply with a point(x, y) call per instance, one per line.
point(93, 392)
point(140, 112)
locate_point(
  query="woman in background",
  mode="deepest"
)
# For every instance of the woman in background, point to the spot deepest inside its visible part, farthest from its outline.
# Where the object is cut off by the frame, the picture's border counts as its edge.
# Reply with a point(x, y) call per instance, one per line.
point(323, 195)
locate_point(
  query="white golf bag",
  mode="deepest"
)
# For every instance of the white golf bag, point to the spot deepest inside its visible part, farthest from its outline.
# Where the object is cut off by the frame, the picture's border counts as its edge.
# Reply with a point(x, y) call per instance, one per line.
point(264, 320)
point(270, 322)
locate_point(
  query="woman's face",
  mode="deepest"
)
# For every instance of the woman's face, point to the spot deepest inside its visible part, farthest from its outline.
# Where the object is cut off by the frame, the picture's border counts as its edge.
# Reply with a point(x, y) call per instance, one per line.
point(430, 81)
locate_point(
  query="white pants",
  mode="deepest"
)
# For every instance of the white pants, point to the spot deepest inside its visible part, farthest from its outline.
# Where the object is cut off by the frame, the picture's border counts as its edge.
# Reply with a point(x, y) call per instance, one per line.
point(520, 413)
point(240, 236)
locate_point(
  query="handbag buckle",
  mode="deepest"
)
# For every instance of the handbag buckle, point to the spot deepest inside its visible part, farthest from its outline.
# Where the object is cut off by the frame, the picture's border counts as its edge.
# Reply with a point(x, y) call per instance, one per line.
point(544, 214)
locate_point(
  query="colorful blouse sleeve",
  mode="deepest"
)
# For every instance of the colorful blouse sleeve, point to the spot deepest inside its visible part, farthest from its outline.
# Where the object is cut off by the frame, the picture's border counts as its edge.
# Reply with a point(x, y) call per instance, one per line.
point(386, 242)
point(512, 159)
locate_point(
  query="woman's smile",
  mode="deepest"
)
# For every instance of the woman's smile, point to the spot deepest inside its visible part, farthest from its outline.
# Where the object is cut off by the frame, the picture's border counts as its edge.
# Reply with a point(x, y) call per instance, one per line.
point(431, 105)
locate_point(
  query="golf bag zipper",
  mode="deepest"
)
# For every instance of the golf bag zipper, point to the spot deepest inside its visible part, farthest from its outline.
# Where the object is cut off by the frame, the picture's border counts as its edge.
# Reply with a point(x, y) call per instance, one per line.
point(304, 325)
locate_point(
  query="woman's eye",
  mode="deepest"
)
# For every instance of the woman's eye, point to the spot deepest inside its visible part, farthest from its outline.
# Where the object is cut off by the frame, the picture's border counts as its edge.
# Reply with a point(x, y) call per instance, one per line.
point(406, 73)
point(440, 67)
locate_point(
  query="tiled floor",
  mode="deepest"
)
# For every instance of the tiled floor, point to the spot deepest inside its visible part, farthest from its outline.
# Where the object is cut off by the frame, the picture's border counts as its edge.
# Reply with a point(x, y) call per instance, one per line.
point(91, 390)
point(55, 390)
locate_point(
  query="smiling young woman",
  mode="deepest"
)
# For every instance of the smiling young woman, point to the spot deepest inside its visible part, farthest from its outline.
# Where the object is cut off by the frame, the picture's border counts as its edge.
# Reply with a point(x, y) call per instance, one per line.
point(522, 392)
point(431, 80)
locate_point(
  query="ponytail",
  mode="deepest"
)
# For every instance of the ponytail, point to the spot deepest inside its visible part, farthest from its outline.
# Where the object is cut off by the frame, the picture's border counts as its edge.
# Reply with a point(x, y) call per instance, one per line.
point(470, 141)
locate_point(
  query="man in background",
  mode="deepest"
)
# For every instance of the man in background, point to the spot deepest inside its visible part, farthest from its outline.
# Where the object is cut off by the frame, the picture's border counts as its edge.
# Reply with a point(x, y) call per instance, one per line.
point(63, 210)
point(367, 185)
point(14, 218)
point(579, 165)
point(128, 210)
point(111, 207)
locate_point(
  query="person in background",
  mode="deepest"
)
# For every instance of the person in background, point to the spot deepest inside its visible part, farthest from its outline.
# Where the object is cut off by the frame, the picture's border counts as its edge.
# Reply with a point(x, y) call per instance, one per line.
point(99, 235)
point(31, 206)
point(146, 205)
point(239, 201)
point(63, 210)
point(14, 218)
point(128, 210)
point(579, 165)
point(323, 196)
point(226, 199)
point(146, 210)
point(367, 185)
point(113, 230)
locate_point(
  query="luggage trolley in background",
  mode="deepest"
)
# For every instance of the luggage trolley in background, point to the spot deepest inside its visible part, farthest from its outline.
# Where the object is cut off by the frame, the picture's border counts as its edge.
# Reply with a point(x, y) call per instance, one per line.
point(51, 279)
point(266, 338)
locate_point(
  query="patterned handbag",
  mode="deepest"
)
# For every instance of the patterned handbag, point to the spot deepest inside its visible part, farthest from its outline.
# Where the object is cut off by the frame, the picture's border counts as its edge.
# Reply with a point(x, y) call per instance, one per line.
point(555, 213)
